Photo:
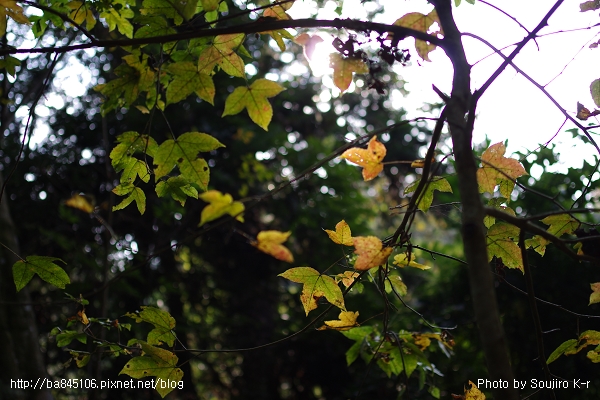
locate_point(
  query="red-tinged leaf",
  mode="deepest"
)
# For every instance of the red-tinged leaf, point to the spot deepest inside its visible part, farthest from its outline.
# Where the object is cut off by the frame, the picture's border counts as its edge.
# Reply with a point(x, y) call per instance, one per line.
point(369, 158)
point(270, 242)
point(370, 252)
point(422, 23)
point(346, 321)
point(342, 234)
point(347, 278)
point(344, 68)
point(595, 296)
point(314, 287)
point(254, 99)
point(308, 43)
point(496, 169)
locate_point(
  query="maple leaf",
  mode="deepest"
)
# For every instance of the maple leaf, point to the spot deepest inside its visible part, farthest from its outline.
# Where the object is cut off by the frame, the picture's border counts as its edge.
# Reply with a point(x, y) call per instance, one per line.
point(473, 393)
point(497, 203)
point(254, 99)
point(10, 8)
point(314, 287)
point(595, 296)
point(222, 53)
point(135, 194)
point(402, 260)
point(270, 242)
point(347, 278)
point(187, 80)
point(163, 323)
point(279, 12)
point(210, 5)
point(183, 152)
point(344, 67)
point(342, 234)
point(595, 91)
point(178, 10)
point(421, 22)
point(500, 243)
point(436, 183)
point(308, 43)
point(496, 169)
point(130, 143)
point(154, 26)
point(178, 187)
point(559, 225)
point(396, 284)
point(44, 267)
point(81, 13)
point(370, 252)
point(346, 321)
point(155, 362)
point(119, 18)
point(133, 167)
point(80, 202)
point(369, 158)
point(219, 205)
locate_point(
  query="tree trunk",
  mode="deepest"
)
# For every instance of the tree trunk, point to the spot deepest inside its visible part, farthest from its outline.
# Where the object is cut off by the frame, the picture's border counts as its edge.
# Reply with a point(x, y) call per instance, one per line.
point(21, 361)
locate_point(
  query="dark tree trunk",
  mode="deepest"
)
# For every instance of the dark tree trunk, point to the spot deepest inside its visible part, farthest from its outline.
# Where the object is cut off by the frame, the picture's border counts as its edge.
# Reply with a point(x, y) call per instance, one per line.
point(20, 357)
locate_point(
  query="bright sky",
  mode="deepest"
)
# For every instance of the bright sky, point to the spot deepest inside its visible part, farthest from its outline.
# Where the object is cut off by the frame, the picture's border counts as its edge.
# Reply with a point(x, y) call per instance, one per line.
point(512, 108)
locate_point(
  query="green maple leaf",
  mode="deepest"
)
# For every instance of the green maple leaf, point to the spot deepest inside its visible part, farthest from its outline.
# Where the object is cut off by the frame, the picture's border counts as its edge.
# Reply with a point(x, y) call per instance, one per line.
point(156, 362)
point(65, 337)
point(178, 187)
point(153, 27)
point(135, 194)
point(130, 143)
point(44, 267)
point(187, 79)
point(361, 337)
point(119, 18)
point(254, 99)
point(133, 167)
point(500, 242)
point(314, 287)
point(436, 183)
point(178, 10)
point(344, 68)
point(183, 152)
point(222, 52)
point(163, 323)
point(9, 63)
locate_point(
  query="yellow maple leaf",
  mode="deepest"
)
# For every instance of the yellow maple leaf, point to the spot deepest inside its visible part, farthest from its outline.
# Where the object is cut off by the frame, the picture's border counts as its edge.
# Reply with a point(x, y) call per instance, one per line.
point(497, 169)
point(342, 234)
point(10, 8)
point(402, 260)
point(223, 53)
point(473, 393)
point(347, 278)
point(422, 23)
point(344, 67)
point(254, 99)
point(81, 13)
point(270, 242)
point(595, 296)
point(370, 252)
point(369, 158)
point(81, 202)
point(219, 205)
point(346, 321)
point(279, 12)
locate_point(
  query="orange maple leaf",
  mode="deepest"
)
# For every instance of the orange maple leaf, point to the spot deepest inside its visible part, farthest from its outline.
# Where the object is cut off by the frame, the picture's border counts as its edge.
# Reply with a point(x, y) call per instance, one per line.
point(370, 252)
point(369, 158)
point(270, 242)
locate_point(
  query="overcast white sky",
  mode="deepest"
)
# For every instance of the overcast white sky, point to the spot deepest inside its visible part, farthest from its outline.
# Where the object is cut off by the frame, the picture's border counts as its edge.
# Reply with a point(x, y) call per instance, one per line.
point(511, 108)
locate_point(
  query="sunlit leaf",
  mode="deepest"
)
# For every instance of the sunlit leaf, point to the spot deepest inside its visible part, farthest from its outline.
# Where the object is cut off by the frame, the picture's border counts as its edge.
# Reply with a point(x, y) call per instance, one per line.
point(254, 99)
point(422, 23)
point(497, 168)
point(402, 260)
point(270, 242)
point(135, 194)
point(595, 296)
point(501, 243)
point(222, 52)
point(81, 13)
point(219, 205)
point(346, 321)
point(370, 252)
point(314, 287)
point(344, 68)
point(178, 188)
point(187, 80)
point(347, 278)
point(342, 234)
point(44, 267)
point(156, 362)
point(369, 158)
point(436, 183)
point(81, 202)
